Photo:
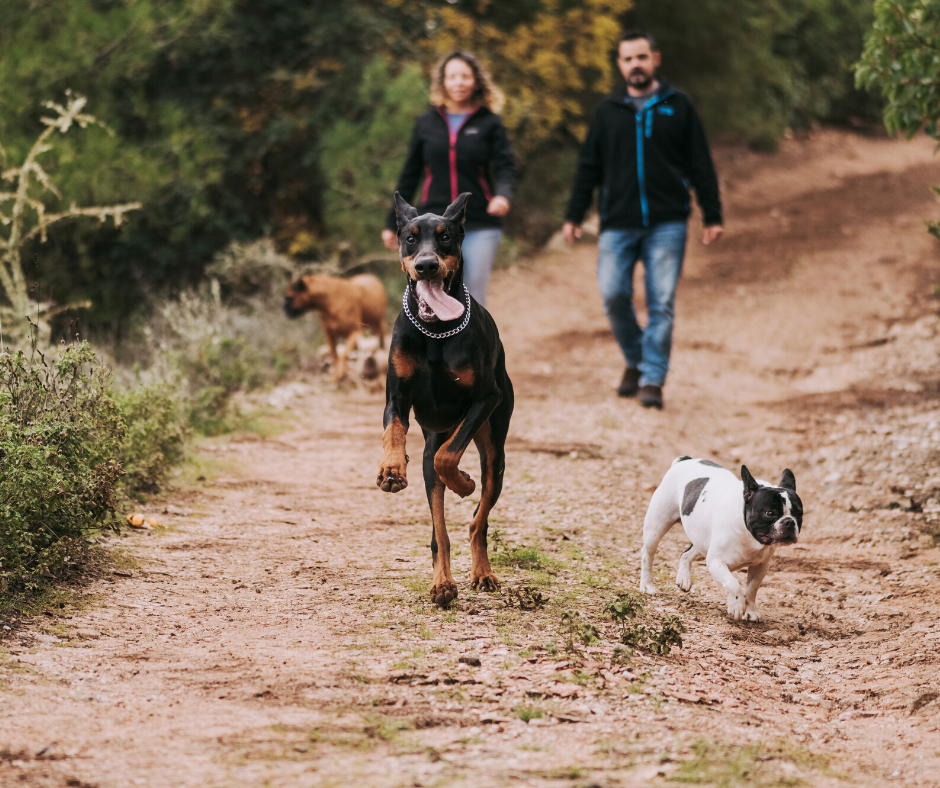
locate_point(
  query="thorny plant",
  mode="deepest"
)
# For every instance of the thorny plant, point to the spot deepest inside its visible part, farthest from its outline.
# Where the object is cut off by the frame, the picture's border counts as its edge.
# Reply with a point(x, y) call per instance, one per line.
point(27, 217)
point(525, 598)
point(625, 608)
point(573, 629)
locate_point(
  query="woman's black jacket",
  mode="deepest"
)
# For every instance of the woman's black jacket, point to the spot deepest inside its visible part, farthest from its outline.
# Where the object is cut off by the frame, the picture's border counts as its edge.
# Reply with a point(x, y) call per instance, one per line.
point(477, 159)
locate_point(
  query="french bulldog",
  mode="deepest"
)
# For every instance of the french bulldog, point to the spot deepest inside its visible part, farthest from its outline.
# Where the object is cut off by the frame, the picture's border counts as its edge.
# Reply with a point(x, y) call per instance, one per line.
point(731, 523)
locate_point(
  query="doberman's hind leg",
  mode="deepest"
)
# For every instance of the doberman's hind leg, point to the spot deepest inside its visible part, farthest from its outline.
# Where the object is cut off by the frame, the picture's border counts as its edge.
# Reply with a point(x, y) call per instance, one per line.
point(443, 587)
point(492, 466)
point(490, 442)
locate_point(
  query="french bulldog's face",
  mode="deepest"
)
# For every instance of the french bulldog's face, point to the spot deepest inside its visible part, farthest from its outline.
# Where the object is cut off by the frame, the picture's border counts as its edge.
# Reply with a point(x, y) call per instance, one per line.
point(773, 515)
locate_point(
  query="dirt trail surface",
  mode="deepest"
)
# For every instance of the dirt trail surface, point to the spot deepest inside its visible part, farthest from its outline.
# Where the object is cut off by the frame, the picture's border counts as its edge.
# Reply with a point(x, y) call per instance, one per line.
point(279, 631)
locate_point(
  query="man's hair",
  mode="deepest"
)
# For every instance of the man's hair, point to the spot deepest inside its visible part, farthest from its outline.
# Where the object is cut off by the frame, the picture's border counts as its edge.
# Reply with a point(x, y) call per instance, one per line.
point(633, 35)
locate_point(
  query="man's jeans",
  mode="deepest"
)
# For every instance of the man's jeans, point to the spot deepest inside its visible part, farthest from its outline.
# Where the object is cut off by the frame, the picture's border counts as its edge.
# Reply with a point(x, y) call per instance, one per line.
point(661, 247)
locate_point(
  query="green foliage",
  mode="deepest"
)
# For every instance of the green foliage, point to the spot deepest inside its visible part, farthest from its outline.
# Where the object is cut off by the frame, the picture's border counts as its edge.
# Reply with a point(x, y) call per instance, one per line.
point(755, 764)
point(156, 436)
point(902, 60)
point(573, 629)
point(755, 67)
point(522, 557)
point(60, 437)
point(625, 608)
point(363, 153)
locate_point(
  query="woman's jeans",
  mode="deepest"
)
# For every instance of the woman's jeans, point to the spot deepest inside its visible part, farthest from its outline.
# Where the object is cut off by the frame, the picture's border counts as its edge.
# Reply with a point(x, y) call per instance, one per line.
point(479, 251)
point(662, 248)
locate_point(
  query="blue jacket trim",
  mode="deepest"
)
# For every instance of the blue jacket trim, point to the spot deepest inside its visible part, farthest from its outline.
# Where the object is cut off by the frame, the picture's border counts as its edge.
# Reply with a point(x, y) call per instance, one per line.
point(647, 111)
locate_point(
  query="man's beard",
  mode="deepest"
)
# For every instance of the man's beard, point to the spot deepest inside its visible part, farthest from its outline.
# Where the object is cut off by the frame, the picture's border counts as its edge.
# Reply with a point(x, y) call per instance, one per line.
point(639, 79)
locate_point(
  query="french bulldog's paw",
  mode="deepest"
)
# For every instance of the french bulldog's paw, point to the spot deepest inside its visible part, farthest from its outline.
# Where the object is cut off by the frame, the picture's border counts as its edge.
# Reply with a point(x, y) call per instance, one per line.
point(736, 605)
point(684, 580)
point(752, 614)
point(648, 588)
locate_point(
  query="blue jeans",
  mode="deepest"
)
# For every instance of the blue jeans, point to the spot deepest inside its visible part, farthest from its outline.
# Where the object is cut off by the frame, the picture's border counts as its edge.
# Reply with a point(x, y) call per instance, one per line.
point(661, 248)
point(479, 251)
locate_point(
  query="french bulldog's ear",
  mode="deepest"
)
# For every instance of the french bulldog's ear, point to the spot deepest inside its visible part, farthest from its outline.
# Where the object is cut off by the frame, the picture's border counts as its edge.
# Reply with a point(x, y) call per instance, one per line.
point(458, 208)
point(788, 480)
point(404, 213)
point(750, 485)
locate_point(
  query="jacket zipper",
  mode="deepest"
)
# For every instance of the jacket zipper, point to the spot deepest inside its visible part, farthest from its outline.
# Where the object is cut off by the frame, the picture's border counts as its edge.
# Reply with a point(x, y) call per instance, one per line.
point(427, 185)
point(647, 113)
point(453, 149)
point(484, 185)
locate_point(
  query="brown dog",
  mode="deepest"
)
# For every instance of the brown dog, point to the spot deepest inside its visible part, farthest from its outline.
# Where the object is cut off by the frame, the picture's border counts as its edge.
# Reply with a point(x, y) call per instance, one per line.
point(346, 306)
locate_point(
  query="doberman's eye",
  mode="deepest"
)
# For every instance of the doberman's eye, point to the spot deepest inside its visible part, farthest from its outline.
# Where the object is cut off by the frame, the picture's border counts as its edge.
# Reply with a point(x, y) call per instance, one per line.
point(445, 238)
point(410, 239)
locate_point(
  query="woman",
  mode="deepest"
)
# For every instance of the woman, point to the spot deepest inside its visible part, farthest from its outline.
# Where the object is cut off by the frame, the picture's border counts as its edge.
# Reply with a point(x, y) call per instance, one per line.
point(460, 146)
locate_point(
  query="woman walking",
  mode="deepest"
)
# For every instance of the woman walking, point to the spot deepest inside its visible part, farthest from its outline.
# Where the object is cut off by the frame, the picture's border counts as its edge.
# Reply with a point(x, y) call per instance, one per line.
point(460, 145)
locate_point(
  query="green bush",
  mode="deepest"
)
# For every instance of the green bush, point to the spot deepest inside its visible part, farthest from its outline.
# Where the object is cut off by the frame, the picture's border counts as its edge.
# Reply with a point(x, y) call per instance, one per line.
point(60, 439)
point(156, 436)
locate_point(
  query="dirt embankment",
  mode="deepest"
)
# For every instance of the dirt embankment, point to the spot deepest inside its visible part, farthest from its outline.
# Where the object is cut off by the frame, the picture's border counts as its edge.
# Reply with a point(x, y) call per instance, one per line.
point(279, 633)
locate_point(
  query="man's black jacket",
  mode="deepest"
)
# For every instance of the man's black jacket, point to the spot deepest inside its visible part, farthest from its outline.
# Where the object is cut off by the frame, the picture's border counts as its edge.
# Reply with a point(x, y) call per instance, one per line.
point(477, 159)
point(644, 163)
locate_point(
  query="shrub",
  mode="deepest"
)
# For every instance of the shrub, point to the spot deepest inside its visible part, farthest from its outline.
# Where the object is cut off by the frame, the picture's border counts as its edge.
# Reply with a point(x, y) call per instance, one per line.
point(156, 436)
point(657, 640)
point(60, 439)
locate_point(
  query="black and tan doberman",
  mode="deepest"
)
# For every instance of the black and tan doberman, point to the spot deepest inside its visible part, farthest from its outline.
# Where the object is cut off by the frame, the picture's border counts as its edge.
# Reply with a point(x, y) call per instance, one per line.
point(446, 362)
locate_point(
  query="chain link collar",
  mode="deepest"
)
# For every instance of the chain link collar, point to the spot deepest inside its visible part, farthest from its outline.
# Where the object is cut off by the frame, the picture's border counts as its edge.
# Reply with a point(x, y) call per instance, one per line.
point(433, 335)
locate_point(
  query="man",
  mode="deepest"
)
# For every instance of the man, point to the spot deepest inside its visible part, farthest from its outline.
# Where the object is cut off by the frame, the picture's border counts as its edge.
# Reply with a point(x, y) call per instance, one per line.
point(645, 147)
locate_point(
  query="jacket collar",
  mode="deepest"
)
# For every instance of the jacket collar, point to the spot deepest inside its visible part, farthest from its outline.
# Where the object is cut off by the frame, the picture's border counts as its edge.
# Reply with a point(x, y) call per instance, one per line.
point(620, 95)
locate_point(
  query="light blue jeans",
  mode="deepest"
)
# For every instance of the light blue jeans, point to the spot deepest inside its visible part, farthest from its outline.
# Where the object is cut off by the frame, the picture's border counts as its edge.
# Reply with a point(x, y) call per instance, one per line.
point(479, 251)
point(662, 249)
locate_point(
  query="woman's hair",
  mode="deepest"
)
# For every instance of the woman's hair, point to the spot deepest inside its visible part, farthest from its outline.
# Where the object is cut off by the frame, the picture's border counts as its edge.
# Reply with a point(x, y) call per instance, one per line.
point(486, 93)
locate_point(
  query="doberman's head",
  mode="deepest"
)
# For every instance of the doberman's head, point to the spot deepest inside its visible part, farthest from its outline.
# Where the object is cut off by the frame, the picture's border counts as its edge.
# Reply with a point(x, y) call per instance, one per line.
point(304, 294)
point(430, 256)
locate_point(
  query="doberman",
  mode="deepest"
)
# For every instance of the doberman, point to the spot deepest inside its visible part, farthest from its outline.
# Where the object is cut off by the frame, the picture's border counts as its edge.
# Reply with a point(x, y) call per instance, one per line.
point(447, 362)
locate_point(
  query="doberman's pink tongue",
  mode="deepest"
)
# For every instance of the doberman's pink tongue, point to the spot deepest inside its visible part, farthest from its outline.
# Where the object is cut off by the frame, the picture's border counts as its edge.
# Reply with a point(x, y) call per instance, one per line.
point(442, 305)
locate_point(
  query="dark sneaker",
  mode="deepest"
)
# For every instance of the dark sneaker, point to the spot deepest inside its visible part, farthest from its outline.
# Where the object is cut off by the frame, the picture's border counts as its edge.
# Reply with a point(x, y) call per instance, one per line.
point(630, 384)
point(651, 396)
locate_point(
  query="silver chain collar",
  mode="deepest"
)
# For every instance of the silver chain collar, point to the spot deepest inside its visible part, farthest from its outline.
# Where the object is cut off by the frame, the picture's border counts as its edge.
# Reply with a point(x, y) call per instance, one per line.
point(433, 335)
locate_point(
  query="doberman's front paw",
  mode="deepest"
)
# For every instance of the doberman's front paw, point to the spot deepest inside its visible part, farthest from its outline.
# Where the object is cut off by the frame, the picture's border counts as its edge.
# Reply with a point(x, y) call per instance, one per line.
point(444, 593)
point(392, 477)
point(484, 581)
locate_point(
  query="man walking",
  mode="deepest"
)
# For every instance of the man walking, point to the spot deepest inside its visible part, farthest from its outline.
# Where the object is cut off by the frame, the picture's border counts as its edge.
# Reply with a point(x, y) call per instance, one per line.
point(645, 148)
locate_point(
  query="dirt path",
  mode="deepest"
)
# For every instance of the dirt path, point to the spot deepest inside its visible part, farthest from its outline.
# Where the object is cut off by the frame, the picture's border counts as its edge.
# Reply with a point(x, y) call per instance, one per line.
point(279, 633)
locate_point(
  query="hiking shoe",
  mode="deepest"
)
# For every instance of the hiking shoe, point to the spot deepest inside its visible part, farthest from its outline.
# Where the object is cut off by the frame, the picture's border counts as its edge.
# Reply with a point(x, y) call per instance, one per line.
point(651, 396)
point(630, 384)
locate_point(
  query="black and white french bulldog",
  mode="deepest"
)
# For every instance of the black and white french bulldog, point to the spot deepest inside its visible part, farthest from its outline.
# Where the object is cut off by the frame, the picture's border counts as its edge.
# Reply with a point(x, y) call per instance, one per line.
point(732, 524)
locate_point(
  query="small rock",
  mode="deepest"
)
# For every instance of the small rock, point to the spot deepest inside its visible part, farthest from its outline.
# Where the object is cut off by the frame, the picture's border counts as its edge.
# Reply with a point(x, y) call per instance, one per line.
point(470, 659)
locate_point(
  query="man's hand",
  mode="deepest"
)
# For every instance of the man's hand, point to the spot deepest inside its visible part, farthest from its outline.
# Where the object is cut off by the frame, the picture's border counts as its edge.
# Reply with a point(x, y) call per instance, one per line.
point(712, 233)
point(571, 232)
point(499, 206)
point(390, 239)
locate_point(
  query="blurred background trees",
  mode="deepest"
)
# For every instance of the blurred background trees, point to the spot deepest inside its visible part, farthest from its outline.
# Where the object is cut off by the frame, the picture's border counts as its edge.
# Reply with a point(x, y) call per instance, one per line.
point(288, 119)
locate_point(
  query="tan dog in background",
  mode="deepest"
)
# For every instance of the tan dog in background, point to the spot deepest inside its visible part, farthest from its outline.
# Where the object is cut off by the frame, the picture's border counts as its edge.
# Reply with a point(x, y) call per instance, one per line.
point(346, 306)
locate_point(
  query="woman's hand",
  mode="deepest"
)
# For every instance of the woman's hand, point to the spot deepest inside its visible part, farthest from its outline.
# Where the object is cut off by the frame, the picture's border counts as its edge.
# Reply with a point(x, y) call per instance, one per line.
point(390, 239)
point(499, 206)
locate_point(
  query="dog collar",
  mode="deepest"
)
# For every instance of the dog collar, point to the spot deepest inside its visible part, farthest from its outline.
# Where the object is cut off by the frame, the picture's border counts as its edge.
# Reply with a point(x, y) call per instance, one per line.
point(432, 334)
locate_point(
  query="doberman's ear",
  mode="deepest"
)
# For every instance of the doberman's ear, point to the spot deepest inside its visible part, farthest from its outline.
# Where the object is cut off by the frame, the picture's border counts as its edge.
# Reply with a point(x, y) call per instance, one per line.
point(457, 210)
point(788, 480)
point(403, 212)
point(750, 485)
